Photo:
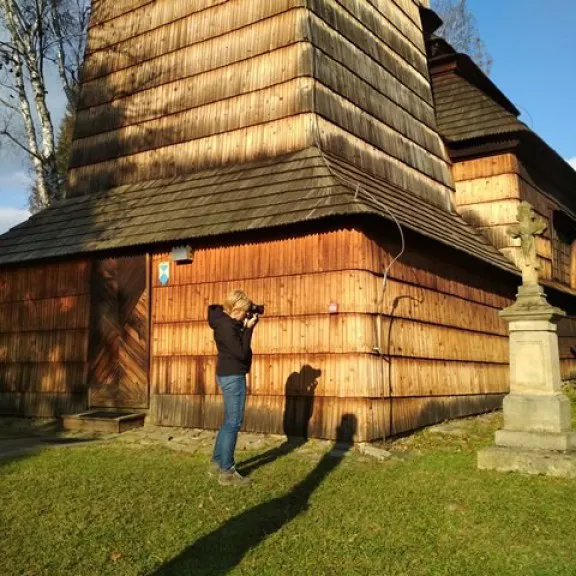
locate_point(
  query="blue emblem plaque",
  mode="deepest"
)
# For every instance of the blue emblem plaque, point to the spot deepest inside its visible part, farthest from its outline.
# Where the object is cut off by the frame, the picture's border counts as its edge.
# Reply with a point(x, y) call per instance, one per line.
point(164, 273)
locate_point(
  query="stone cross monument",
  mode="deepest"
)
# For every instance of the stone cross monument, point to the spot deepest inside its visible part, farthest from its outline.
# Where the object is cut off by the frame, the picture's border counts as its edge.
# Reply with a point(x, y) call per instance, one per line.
point(526, 230)
point(537, 436)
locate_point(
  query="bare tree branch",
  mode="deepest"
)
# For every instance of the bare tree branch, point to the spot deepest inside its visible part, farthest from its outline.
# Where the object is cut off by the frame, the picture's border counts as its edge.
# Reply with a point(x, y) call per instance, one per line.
point(60, 51)
point(8, 105)
point(461, 31)
point(14, 140)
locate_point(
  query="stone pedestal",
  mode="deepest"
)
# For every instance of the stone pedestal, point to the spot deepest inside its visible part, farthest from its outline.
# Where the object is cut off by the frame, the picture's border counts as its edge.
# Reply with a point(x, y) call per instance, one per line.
point(537, 436)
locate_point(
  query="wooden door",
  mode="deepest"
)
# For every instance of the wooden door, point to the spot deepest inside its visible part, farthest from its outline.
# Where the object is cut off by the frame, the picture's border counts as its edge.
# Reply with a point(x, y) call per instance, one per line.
point(118, 364)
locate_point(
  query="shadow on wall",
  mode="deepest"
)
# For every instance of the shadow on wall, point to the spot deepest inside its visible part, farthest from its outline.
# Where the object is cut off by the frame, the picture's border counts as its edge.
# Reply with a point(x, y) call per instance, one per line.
point(426, 267)
point(299, 390)
point(566, 332)
point(413, 414)
point(425, 262)
point(43, 342)
point(73, 227)
point(223, 549)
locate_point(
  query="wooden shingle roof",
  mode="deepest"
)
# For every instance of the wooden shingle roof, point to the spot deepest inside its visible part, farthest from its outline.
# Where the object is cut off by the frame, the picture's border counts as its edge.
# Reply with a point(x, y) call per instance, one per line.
point(466, 112)
point(304, 186)
point(467, 103)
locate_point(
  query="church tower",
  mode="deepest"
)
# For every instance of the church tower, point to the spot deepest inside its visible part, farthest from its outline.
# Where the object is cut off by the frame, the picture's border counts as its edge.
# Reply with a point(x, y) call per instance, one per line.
point(170, 88)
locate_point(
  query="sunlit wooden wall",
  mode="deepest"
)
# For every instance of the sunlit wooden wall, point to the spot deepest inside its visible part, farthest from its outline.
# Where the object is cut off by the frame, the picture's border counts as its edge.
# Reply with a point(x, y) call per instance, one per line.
point(444, 349)
point(488, 193)
point(44, 317)
point(372, 96)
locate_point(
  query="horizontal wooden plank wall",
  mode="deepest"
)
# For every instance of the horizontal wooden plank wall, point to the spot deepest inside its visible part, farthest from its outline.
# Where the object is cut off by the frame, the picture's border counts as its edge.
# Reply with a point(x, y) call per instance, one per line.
point(562, 253)
point(44, 318)
point(488, 192)
point(567, 343)
point(445, 350)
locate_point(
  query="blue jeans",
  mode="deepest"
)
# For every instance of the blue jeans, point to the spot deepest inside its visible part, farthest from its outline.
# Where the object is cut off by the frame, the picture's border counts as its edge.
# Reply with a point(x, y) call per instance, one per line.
point(234, 391)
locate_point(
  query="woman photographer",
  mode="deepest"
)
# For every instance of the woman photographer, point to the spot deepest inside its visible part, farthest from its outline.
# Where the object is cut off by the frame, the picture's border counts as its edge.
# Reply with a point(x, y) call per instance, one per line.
point(233, 325)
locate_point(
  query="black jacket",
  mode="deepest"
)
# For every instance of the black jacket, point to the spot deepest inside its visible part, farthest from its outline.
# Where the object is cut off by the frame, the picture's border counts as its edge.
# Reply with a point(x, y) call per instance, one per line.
point(233, 342)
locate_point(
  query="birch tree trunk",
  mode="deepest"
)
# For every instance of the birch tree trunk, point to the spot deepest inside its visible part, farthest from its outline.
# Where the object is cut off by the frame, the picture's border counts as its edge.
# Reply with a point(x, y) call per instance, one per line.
point(36, 159)
point(34, 36)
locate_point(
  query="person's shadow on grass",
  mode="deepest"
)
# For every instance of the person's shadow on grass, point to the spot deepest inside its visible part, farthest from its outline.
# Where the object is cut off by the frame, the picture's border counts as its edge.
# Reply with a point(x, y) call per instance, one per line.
point(220, 551)
point(299, 392)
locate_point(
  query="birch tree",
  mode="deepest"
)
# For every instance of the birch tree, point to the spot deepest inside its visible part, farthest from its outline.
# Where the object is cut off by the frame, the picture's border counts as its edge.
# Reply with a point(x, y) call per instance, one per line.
point(38, 36)
point(460, 29)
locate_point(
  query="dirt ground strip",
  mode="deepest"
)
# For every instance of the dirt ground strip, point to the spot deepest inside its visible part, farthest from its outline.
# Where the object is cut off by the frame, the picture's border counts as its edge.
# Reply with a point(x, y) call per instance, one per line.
point(26, 435)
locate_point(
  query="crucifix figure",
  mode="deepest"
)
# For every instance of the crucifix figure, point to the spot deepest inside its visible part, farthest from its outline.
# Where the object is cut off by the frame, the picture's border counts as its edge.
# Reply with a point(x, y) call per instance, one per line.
point(526, 230)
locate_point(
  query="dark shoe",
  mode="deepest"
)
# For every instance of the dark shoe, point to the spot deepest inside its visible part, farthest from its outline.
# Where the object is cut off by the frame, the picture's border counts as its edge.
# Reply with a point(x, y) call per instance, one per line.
point(233, 478)
point(214, 469)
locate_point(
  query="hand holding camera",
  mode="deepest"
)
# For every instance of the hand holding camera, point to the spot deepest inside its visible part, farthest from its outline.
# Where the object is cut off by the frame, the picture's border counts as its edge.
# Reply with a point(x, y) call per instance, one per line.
point(253, 315)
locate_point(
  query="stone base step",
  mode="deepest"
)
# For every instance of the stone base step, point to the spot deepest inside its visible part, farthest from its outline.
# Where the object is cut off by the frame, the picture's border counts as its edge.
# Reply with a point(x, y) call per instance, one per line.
point(546, 462)
point(103, 422)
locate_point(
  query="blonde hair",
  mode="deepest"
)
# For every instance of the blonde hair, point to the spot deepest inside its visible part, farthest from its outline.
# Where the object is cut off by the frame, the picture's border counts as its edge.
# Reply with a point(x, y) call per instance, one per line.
point(237, 301)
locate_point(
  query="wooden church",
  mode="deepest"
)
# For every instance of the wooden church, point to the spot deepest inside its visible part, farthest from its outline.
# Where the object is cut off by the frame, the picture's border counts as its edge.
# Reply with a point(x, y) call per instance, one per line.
point(330, 157)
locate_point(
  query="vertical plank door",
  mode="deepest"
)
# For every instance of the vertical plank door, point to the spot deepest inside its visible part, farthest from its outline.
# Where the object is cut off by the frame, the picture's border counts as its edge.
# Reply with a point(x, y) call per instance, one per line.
point(118, 368)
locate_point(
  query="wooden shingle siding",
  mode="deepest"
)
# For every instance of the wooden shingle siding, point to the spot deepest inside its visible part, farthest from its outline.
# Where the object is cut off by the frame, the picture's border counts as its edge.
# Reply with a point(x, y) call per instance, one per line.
point(242, 80)
point(241, 146)
point(104, 11)
point(195, 29)
point(386, 165)
point(354, 129)
point(398, 36)
point(488, 192)
point(44, 315)
point(258, 73)
point(263, 106)
point(372, 95)
point(413, 413)
point(330, 17)
point(244, 44)
point(348, 333)
point(404, 298)
point(500, 162)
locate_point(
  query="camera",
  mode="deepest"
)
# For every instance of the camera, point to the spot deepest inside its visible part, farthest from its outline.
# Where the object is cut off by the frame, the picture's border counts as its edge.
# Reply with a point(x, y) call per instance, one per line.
point(255, 309)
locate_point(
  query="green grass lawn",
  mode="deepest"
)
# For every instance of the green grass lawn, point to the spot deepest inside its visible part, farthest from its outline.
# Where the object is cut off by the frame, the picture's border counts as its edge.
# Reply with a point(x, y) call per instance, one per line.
point(115, 509)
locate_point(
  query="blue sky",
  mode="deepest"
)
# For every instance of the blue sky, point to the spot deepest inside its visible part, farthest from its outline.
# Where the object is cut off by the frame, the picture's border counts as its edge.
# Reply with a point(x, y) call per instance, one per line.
point(533, 44)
